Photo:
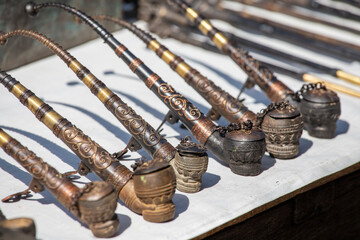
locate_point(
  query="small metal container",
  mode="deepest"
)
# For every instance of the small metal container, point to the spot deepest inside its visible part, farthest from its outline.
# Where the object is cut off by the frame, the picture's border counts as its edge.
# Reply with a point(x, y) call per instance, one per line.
point(155, 183)
point(320, 108)
point(191, 161)
point(282, 127)
point(97, 205)
point(246, 149)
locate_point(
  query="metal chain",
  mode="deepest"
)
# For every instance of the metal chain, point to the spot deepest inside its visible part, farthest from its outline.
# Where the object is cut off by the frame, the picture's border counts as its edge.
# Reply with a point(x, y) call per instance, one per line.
point(308, 87)
point(247, 126)
point(273, 106)
point(186, 139)
point(187, 143)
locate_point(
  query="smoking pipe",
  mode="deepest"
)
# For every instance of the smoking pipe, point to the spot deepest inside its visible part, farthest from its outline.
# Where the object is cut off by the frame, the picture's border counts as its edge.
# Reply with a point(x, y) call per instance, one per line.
point(291, 10)
point(327, 7)
point(319, 106)
point(337, 73)
point(281, 136)
point(247, 145)
point(94, 204)
point(151, 198)
point(298, 36)
point(143, 134)
point(189, 34)
point(165, 20)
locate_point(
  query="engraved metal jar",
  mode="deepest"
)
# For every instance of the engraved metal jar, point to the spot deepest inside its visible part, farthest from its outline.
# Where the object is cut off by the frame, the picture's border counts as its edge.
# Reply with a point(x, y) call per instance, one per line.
point(320, 108)
point(190, 163)
point(283, 127)
point(155, 183)
point(245, 149)
point(97, 205)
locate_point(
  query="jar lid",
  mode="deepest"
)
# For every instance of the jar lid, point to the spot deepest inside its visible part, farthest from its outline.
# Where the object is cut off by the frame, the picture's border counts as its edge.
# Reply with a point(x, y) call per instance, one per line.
point(186, 146)
point(98, 190)
point(284, 112)
point(245, 135)
point(151, 166)
point(320, 95)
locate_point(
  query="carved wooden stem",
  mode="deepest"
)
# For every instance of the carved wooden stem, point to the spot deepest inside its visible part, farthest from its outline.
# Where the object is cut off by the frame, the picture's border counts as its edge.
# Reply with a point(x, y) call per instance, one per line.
point(66, 192)
point(143, 132)
point(91, 154)
point(225, 104)
point(274, 88)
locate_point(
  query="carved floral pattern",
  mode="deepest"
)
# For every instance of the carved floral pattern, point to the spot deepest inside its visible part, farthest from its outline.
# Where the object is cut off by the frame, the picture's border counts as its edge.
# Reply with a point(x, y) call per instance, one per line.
point(40, 170)
point(178, 102)
point(86, 148)
point(136, 125)
point(217, 97)
point(261, 74)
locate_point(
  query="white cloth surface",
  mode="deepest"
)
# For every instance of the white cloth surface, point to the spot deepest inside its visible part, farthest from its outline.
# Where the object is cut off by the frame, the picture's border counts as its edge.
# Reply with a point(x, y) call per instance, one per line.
point(224, 195)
